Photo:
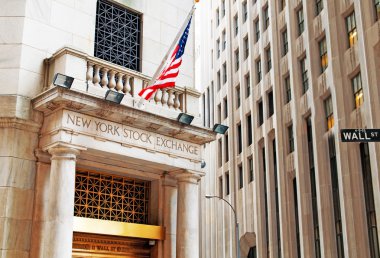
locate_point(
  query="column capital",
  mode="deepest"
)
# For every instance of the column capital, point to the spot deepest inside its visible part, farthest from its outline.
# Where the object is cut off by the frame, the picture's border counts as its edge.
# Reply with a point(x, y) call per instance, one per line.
point(169, 180)
point(189, 176)
point(60, 150)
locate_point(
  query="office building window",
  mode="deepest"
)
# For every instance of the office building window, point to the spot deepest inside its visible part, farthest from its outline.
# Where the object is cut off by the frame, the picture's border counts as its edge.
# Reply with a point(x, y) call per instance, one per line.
point(285, 45)
point(250, 165)
point(269, 59)
point(291, 138)
point(304, 76)
point(238, 102)
point(212, 58)
point(358, 90)
point(336, 198)
point(314, 203)
point(217, 18)
point(329, 111)
point(223, 8)
point(208, 107)
point(265, 202)
point(246, 47)
point(266, 17)
point(224, 42)
point(220, 187)
point(288, 90)
point(369, 200)
point(218, 84)
point(226, 149)
point(276, 198)
point(261, 112)
point(225, 107)
point(245, 12)
point(258, 70)
point(318, 6)
point(247, 80)
point(295, 195)
point(118, 21)
point(249, 129)
point(300, 20)
point(227, 183)
point(219, 113)
point(257, 29)
point(270, 104)
point(241, 176)
point(212, 101)
point(217, 48)
point(240, 139)
point(236, 24)
point(323, 54)
point(224, 67)
point(204, 109)
point(352, 32)
point(220, 151)
point(237, 62)
point(377, 9)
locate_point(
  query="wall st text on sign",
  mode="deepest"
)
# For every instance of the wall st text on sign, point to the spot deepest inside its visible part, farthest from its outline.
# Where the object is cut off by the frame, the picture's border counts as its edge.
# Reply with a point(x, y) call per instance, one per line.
point(360, 135)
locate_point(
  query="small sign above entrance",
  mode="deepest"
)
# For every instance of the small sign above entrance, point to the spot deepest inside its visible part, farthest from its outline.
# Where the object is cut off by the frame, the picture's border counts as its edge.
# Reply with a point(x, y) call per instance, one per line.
point(360, 135)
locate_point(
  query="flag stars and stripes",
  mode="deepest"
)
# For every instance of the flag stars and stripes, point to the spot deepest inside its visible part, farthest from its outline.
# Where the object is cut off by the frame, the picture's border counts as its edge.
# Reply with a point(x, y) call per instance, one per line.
point(169, 74)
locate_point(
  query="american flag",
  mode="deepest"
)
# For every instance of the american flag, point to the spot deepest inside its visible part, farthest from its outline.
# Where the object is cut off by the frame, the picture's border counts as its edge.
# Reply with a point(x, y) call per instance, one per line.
point(170, 72)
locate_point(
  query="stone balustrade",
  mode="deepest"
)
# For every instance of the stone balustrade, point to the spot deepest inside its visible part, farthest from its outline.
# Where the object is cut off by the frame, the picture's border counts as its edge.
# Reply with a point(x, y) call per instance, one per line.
point(96, 76)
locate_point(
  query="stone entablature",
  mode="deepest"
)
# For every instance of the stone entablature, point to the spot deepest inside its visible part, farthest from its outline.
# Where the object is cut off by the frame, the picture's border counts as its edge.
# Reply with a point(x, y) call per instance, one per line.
point(100, 126)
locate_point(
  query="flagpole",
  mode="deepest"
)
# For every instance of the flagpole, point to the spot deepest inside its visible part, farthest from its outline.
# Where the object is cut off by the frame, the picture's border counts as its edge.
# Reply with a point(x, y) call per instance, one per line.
point(142, 100)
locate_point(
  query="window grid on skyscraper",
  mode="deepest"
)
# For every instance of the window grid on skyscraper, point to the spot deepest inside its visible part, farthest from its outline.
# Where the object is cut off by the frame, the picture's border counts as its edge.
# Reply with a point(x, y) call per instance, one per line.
point(352, 32)
point(318, 6)
point(300, 20)
point(323, 54)
point(257, 29)
point(285, 42)
point(304, 75)
point(329, 111)
point(358, 90)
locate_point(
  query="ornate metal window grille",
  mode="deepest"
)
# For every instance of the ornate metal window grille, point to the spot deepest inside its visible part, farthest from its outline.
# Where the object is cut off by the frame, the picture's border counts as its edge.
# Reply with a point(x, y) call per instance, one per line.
point(110, 197)
point(117, 35)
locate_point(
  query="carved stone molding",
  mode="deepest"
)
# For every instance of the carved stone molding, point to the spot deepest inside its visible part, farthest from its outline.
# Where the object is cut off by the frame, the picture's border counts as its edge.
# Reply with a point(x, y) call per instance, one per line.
point(22, 124)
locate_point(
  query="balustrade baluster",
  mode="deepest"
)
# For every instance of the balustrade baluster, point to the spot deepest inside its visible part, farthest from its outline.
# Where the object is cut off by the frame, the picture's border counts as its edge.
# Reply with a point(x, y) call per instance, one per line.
point(170, 98)
point(119, 84)
point(96, 76)
point(176, 100)
point(104, 81)
point(164, 99)
point(112, 81)
point(90, 73)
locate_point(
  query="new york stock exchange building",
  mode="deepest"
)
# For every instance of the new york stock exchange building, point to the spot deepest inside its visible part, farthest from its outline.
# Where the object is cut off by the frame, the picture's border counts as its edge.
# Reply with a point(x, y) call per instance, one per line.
point(82, 175)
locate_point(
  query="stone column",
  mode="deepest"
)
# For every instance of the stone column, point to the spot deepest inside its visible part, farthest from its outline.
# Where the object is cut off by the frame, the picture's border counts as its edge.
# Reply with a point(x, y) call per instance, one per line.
point(61, 201)
point(169, 216)
point(188, 215)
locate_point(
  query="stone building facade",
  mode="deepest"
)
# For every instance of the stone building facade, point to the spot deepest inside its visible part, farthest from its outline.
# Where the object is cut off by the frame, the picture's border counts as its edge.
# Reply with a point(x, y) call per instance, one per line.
point(82, 176)
point(286, 76)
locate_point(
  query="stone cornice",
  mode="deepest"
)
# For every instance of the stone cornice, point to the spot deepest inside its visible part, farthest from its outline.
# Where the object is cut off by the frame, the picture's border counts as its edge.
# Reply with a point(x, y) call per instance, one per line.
point(60, 98)
point(22, 124)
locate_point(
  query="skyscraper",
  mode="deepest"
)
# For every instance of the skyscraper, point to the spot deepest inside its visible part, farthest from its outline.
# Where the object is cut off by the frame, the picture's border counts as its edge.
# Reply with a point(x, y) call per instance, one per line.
point(286, 76)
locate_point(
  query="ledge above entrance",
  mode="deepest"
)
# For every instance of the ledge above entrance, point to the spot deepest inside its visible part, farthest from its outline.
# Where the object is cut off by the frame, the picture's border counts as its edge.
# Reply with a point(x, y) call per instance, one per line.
point(58, 98)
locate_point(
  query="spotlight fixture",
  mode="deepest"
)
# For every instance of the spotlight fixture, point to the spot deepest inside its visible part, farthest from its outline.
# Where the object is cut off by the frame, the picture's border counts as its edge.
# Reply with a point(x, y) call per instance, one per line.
point(63, 81)
point(185, 118)
point(203, 164)
point(114, 96)
point(218, 128)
